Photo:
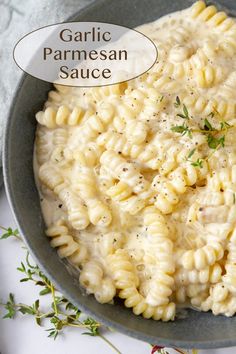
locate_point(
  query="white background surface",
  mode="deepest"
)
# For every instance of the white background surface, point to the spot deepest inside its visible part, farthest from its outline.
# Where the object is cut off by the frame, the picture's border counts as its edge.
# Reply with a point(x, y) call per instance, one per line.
point(23, 336)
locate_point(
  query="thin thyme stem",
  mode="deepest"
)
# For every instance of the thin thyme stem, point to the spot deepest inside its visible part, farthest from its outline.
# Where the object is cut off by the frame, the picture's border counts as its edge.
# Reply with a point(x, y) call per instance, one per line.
point(81, 325)
point(109, 343)
point(212, 153)
point(78, 325)
point(77, 321)
point(54, 299)
point(16, 236)
point(203, 131)
point(3, 228)
point(45, 314)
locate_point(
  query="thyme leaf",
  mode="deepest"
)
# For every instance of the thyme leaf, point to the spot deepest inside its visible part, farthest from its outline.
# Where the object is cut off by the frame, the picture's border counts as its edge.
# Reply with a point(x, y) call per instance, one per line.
point(191, 154)
point(224, 125)
point(198, 163)
point(214, 143)
point(208, 126)
point(185, 110)
point(182, 129)
point(10, 307)
point(177, 102)
point(9, 232)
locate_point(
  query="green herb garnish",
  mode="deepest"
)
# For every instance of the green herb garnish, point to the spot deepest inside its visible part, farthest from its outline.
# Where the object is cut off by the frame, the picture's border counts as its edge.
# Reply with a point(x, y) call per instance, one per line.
point(224, 125)
point(8, 232)
point(212, 114)
point(185, 114)
point(213, 140)
point(198, 163)
point(208, 126)
point(182, 129)
point(161, 99)
point(177, 102)
point(215, 143)
point(190, 154)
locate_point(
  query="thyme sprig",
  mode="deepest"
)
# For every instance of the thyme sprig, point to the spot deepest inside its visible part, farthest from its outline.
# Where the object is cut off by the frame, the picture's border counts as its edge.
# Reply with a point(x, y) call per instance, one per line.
point(67, 315)
point(60, 313)
point(211, 132)
point(215, 137)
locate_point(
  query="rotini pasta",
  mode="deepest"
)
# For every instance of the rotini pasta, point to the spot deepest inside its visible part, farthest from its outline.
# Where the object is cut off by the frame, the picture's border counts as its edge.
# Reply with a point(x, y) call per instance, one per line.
point(85, 185)
point(138, 179)
point(158, 233)
point(51, 118)
point(91, 277)
point(66, 245)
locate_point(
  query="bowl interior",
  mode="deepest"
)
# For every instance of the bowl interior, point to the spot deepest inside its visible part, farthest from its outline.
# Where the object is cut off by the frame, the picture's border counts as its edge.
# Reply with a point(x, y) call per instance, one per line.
point(197, 330)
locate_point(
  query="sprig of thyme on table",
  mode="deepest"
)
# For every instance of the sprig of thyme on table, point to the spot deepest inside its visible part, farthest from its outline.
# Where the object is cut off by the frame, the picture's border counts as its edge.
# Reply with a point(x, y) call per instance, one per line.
point(61, 312)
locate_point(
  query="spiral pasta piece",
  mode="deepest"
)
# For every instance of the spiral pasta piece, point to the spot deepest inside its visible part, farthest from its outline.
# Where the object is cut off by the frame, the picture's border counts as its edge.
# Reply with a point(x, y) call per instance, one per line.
point(230, 266)
point(92, 278)
point(100, 93)
point(77, 212)
point(85, 184)
point(63, 116)
point(89, 156)
point(203, 257)
point(207, 14)
point(122, 193)
point(197, 294)
point(147, 154)
point(158, 234)
point(66, 245)
point(202, 105)
point(127, 172)
point(208, 76)
point(43, 146)
point(210, 274)
point(223, 179)
point(97, 123)
point(122, 270)
point(126, 281)
point(170, 189)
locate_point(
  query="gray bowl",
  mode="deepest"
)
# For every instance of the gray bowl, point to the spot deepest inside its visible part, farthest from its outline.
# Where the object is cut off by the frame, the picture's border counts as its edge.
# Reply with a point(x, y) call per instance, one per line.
point(198, 330)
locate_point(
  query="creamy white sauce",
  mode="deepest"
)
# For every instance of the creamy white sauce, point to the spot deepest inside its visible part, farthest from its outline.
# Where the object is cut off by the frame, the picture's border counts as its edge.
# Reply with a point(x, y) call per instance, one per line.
point(194, 64)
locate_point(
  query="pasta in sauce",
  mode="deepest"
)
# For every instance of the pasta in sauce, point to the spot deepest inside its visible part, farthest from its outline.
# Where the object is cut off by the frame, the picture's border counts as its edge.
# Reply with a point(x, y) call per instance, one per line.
point(138, 179)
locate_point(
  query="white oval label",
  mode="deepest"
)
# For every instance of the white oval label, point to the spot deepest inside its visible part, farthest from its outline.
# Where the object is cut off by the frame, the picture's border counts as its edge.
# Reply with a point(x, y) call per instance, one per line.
point(85, 54)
